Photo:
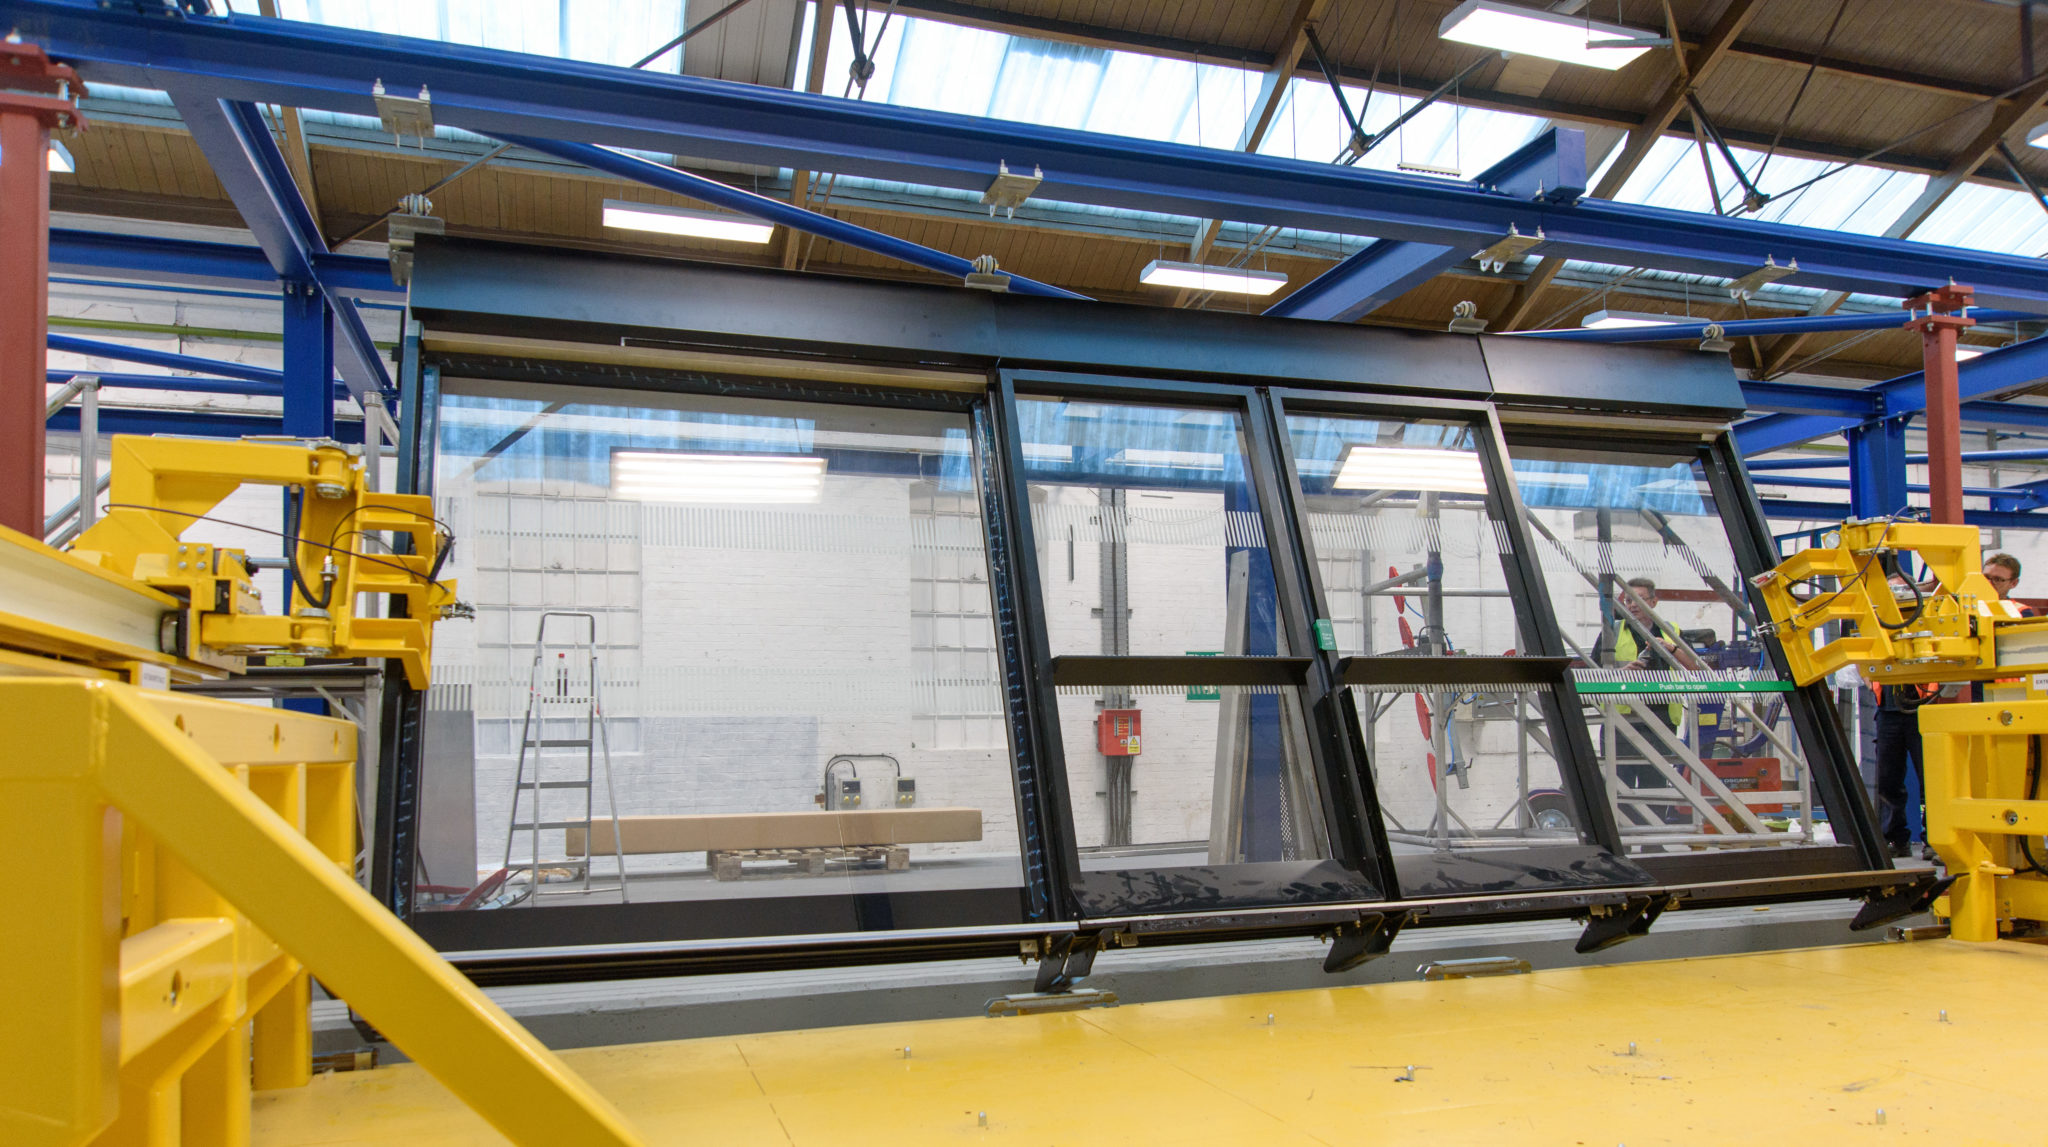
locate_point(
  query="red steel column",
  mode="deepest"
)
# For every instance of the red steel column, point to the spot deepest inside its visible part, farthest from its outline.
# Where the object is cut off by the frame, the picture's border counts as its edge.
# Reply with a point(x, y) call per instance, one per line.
point(1944, 414)
point(35, 96)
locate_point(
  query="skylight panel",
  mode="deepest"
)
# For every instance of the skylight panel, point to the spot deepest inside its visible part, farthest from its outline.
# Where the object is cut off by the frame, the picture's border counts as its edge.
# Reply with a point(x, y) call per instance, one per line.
point(599, 31)
point(1988, 219)
point(1444, 137)
point(1862, 200)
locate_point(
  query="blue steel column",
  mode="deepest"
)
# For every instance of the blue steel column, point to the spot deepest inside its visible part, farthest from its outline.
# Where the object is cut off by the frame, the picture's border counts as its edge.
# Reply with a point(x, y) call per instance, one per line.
point(308, 362)
point(1264, 766)
point(1877, 468)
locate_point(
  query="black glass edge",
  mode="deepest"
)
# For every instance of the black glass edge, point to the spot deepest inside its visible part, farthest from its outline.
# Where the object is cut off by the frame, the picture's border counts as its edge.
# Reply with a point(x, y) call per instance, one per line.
point(1051, 803)
point(1830, 758)
point(1478, 670)
point(1091, 669)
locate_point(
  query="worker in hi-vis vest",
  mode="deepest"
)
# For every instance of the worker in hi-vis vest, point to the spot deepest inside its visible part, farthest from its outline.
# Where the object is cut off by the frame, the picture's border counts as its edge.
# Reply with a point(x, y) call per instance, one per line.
point(1628, 650)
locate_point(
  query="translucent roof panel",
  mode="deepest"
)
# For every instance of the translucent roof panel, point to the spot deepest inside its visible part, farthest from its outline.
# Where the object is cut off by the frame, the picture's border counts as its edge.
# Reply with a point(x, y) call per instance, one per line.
point(2012, 222)
point(1863, 200)
point(1444, 137)
point(599, 31)
point(946, 67)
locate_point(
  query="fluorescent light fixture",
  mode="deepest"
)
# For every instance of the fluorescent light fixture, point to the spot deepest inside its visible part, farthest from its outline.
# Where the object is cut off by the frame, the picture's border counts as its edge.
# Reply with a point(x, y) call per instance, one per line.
point(2039, 136)
point(1608, 320)
point(1202, 277)
point(1166, 459)
point(1566, 481)
point(60, 158)
point(660, 476)
point(1523, 31)
point(1047, 452)
point(1407, 468)
point(685, 221)
point(1966, 353)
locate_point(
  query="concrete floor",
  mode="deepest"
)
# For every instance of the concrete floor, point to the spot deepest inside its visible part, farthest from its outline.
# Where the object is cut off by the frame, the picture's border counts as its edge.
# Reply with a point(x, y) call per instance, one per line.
point(1933, 1042)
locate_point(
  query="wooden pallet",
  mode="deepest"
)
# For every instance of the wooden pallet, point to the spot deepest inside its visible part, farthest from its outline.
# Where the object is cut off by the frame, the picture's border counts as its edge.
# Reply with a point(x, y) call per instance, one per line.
point(730, 864)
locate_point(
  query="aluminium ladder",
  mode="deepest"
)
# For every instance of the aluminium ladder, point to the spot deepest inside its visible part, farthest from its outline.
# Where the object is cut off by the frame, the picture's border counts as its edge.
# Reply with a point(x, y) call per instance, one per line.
point(568, 695)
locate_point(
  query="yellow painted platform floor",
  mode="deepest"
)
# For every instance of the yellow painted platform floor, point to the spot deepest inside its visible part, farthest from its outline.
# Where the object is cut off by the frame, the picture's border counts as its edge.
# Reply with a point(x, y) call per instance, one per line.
point(1796, 1047)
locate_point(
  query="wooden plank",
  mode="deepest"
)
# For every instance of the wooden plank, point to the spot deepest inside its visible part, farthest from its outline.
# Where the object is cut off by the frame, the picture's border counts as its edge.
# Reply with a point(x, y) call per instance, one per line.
point(739, 832)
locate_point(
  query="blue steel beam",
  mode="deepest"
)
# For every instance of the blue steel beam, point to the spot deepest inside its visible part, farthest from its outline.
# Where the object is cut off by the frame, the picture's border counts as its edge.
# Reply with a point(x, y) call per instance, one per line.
point(1689, 331)
point(208, 264)
point(1990, 374)
point(252, 59)
point(238, 145)
point(1795, 398)
point(196, 423)
point(1551, 167)
point(1969, 458)
point(212, 366)
point(1786, 509)
point(771, 210)
point(179, 382)
point(1367, 281)
point(2009, 414)
point(1800, 481)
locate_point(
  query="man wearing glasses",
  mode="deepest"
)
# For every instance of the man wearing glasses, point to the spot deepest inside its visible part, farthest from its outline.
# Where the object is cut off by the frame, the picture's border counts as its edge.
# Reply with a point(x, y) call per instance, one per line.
point(2003, 572)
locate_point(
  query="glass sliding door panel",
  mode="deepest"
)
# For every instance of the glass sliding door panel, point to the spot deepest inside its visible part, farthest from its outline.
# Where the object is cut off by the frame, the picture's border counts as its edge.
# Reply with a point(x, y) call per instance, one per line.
point(1150, 544)
point(799, 683)
point(1689, 717)
point(1413, 564)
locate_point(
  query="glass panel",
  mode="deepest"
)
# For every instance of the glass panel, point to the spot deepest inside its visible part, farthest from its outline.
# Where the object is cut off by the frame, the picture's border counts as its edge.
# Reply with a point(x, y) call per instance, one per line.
point(792, 617)
point(1413, 564)
point(1690, 720)
point(1150, 544)
point(1220, 775)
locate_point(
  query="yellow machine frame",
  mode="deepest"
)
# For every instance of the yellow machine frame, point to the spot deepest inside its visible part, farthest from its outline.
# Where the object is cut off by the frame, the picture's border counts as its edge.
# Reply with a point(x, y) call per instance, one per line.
point(186, 862)
point(1982, 760)
point(161, 487)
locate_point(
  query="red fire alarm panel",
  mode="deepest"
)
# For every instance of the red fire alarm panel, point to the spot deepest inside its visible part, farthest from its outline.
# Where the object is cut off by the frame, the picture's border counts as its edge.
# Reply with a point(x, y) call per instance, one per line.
point(1116, 731)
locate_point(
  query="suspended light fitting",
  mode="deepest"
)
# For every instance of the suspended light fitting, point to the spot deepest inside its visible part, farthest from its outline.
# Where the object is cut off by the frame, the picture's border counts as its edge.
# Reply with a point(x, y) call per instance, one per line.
point(1202, 277)
point(685, 221)
point(1608, 320)
point(1523, 31)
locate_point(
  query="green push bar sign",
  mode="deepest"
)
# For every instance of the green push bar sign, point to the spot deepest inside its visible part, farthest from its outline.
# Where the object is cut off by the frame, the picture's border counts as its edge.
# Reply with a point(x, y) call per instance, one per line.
point(1205, 692)
point(1685, 686)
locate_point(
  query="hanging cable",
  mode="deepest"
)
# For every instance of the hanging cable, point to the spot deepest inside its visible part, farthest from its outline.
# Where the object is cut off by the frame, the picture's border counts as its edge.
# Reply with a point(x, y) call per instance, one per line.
point(691, 31)
point(1811, 68)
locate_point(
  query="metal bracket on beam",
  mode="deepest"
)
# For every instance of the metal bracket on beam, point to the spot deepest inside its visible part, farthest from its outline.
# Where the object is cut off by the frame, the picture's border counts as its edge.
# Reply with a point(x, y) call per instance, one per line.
point(1618, 924)
point(404, 115)
point(1067, 960)
point(1911, 900)
point(1365, 939)
point(1512, 247)
point(1748, 285)
point(1010, 190)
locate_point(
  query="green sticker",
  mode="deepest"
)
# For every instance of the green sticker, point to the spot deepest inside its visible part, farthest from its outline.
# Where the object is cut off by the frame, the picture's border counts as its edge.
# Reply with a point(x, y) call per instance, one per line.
point(1205, 692)
point(1326, 634)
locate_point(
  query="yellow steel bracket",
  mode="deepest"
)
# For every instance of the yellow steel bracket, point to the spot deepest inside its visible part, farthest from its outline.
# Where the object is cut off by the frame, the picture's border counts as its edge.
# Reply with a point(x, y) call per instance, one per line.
point(1978, 775)
point(1948, 638)
point(168, 916)
point(348, 542)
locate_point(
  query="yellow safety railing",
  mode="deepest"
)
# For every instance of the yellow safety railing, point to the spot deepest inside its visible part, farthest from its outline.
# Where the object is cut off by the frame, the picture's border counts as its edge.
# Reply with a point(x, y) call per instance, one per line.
point(181, 867)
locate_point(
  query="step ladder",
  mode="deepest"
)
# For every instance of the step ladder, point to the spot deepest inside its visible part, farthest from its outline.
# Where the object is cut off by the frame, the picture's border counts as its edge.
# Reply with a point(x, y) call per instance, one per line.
point(564, 711)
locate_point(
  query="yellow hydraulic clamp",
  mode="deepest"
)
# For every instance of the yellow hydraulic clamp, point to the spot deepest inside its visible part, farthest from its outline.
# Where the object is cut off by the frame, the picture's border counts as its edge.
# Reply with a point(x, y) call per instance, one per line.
point(340, 541)
point(1837, 605)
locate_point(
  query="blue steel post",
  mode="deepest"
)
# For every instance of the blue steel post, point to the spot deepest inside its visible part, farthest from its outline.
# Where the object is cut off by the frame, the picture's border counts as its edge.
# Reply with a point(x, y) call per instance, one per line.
point(308, 362)
point(1877, 468)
